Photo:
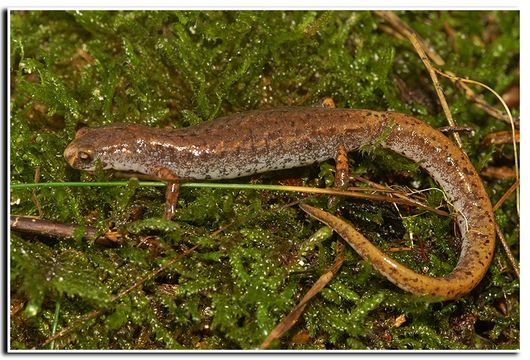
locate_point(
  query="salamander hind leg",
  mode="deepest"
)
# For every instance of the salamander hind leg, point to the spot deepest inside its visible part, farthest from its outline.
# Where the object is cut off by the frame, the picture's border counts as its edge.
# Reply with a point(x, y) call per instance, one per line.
point(342, 168)
point(342, 173)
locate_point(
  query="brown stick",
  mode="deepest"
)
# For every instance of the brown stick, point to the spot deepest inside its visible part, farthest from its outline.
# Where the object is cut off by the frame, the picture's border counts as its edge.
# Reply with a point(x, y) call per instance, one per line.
point(402, 196)
point(403, 29)
point(95, 313)
point(501, 137)
point(499, 172)
point(422, 49)
point(31, 225)
point(293, 316)
point(507, 251)
point(505, 195)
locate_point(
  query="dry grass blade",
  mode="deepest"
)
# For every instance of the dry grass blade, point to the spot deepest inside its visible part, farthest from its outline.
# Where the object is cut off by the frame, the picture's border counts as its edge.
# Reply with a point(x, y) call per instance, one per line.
point(402, 28)
point(502, 239)
point(478, 100)
point(505, 195)
point(401, 195)
point(421, 48)
point(507, 110)
point(404, 200)
point(95, 313)
point(294, 315)
point(499, 172)
point(501, 137)
point(507, 251)
point(374, 197)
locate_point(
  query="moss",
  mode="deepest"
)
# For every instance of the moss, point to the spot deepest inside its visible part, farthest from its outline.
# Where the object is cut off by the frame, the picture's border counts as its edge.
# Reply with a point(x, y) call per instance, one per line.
point(256, 257)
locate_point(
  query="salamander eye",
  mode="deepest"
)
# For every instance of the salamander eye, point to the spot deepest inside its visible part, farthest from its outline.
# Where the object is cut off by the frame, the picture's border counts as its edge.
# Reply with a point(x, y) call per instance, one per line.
point(84, 156)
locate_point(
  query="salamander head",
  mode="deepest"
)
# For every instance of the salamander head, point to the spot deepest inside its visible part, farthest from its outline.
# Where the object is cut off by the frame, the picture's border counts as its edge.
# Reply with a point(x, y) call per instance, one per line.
point(114, 147)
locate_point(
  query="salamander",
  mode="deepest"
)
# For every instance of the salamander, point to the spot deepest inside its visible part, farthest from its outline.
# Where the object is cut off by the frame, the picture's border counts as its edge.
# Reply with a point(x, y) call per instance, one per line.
point(264, 140)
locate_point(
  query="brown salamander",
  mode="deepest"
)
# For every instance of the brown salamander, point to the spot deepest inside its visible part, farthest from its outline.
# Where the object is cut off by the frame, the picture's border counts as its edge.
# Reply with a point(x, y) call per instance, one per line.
point(257, 141)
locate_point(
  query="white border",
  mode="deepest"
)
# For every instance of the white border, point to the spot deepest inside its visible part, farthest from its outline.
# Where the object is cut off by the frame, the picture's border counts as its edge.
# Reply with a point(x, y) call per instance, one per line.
point(320, 5)
point(271, 4)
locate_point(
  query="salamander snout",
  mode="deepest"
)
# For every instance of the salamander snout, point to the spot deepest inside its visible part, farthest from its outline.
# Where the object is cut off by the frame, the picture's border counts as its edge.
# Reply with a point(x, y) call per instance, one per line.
point(82, 159)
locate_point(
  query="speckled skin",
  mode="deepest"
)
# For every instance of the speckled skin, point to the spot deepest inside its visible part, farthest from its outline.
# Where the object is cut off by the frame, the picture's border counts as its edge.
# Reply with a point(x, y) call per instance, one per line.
point(257, 141)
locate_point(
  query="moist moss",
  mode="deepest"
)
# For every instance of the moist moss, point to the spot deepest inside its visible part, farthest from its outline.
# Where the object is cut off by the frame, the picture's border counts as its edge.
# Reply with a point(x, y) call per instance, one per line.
point(254, 261)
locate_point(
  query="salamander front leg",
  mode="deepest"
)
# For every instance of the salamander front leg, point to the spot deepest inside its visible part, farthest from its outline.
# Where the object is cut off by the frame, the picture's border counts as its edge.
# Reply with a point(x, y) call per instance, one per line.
point(172, 190)
point(172, 196)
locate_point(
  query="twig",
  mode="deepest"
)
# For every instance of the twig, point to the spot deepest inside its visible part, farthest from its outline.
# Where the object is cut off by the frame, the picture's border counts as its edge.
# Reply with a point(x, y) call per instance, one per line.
point(90, 315)
point(294, 315)
point(512, 123)
point(222, 228)
point(501, 137)
point(402, 195)
point(446, 129)
point(31, 225)
point(95, 313)
point(401, 27)
point(400, 199)
point(421, 48)
point(511, 96)
point(400, 249)
point(507, 251)
point(505, 195)
point(478, 100)
point(499, 172)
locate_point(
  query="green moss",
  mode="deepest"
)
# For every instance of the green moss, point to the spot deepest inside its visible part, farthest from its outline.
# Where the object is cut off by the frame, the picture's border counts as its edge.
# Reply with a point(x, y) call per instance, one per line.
point(180, 68)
